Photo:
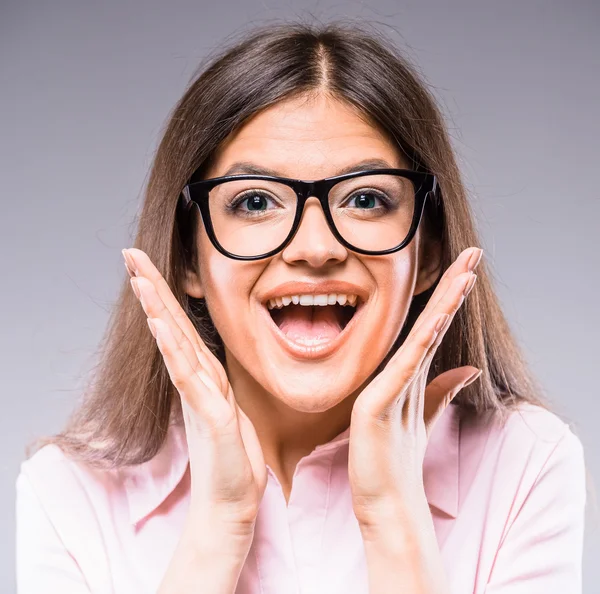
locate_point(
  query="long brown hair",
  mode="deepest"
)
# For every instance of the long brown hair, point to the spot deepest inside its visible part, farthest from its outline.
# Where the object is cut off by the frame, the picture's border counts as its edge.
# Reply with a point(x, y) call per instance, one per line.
point(129, 400)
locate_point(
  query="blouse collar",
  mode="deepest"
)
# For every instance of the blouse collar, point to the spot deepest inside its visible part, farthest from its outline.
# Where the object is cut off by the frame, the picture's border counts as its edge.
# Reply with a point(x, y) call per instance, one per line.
point(148, 484)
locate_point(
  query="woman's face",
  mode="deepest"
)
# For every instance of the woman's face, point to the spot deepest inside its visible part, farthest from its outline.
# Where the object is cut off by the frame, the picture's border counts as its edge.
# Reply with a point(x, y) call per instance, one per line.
point(309, 140)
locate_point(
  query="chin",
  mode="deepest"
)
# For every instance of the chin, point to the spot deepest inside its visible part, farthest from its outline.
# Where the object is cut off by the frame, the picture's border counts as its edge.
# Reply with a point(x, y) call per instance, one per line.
point(311, 393)
point(309, 403)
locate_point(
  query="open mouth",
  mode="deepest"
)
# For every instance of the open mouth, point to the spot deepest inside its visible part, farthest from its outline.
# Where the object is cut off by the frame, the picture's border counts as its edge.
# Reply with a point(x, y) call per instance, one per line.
point(313, 325)
point(313, 332)
point(304, 323)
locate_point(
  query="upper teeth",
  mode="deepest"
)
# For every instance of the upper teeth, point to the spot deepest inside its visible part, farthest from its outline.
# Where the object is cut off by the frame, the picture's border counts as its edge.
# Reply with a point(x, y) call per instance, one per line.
point(330, 299)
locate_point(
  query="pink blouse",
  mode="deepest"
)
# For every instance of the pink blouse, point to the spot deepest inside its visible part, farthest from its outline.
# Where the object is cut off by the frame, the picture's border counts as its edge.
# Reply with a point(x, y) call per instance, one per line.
point(507, 505)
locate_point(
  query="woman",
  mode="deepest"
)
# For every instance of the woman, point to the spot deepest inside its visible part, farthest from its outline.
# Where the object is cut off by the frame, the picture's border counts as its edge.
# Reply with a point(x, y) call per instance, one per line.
point(303, 414)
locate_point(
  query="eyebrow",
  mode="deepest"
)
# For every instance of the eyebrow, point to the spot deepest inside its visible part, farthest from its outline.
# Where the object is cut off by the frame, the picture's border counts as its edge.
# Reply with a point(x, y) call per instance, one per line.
point(246, 167)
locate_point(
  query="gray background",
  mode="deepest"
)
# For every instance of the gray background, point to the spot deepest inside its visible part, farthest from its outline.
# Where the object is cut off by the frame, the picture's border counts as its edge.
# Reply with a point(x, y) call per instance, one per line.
point(87, 86)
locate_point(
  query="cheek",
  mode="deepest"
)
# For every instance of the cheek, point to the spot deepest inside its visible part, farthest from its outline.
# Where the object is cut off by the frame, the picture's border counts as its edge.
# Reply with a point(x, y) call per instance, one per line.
point(400, 282)
point(395, 278)
point(227, 286)
point(218, 277)
point(224, 286)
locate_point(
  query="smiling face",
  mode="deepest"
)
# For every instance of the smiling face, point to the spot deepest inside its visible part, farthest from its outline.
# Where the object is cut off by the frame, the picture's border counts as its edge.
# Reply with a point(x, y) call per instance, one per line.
point(309, 140)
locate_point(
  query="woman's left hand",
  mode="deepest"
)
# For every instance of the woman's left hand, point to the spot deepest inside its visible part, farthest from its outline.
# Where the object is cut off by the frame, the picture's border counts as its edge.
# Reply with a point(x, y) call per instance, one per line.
point(393, 416)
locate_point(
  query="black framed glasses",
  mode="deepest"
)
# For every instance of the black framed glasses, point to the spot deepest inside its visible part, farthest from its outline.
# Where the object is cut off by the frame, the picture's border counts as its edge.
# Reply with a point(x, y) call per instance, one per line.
point(249, 217)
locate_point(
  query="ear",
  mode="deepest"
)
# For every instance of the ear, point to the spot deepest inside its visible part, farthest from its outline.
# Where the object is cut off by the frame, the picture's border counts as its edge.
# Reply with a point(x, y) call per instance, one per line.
point(430, 262)
point(193, 284)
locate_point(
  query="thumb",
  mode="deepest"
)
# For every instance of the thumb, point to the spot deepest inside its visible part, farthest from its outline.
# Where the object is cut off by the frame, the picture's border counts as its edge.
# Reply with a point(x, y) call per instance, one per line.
point(441, 390)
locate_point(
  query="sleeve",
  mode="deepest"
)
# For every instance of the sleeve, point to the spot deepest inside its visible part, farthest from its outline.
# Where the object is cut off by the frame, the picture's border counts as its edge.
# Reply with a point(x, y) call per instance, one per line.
point(542, 551)
point(43, 564)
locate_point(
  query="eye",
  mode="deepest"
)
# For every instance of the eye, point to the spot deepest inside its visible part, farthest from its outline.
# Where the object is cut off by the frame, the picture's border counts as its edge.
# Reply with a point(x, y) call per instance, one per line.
point(255, 202)
point(366, 200)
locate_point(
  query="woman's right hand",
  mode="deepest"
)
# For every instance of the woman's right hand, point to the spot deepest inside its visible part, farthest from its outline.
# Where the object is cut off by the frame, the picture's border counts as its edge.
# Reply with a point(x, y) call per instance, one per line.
point(228, 471)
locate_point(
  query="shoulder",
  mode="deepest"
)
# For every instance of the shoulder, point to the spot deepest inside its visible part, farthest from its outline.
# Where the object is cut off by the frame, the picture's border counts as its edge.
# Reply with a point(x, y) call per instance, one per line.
point(72, 496)
point(66, 516)
point(528, 428)
point(113, 498)
point(533, 449)
point(550, 447)
point(49, 470)
point(79, 523)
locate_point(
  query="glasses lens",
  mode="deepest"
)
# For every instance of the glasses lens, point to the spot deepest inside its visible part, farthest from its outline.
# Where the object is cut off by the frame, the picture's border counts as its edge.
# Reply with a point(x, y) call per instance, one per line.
point(373, 212)
point(253, 217)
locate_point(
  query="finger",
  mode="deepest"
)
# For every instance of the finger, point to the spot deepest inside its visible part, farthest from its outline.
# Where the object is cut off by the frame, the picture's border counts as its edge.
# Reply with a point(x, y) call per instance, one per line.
point(468, 259)
point(192, 382)
point(426, 335)
point(392, 384)
point(154, 307)
point(450, 303)
point(407, 363)
point(143, 266)
point(442, 390)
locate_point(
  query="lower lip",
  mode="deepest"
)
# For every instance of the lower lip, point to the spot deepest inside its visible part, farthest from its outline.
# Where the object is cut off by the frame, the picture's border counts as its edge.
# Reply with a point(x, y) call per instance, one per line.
point(317, 351)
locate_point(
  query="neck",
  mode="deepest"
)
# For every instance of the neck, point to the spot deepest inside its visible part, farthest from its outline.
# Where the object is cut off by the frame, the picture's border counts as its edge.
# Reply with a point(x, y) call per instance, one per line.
point(286, 435)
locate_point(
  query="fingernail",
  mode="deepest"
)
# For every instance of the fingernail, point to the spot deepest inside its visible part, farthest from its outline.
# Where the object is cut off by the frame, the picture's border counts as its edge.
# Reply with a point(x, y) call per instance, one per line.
point(473, 377)
point(469, 286)
point(129, 271)
point(135, 287)
point(130, 263)
point(474, 259)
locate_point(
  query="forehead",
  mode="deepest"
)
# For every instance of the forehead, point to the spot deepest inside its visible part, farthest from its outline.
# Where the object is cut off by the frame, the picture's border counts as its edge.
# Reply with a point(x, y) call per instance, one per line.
point(306, 137)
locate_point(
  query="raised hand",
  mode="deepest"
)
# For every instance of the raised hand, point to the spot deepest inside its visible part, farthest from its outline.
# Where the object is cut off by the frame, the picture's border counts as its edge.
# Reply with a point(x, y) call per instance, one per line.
point(393, 416)
point(228, 471)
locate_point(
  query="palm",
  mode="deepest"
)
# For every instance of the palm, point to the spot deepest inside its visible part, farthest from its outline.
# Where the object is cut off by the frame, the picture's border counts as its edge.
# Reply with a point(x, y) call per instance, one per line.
point(245, 426)
point(253, 450)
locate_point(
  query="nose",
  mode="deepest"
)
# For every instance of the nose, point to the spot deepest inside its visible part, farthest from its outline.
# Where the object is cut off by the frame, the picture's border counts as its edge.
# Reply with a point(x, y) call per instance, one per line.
point(314, 243)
